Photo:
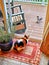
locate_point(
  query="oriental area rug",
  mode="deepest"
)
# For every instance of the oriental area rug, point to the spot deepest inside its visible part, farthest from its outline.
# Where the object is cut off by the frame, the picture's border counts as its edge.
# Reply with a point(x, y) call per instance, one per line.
point(30, 55)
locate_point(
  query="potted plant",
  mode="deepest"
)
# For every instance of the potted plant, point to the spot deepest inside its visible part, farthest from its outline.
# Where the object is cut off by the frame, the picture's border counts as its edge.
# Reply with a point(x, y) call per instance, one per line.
point(5, 41)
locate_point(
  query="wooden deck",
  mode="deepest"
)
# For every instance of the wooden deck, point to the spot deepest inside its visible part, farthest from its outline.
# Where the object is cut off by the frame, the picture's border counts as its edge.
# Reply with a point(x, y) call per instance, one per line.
point(31, 11)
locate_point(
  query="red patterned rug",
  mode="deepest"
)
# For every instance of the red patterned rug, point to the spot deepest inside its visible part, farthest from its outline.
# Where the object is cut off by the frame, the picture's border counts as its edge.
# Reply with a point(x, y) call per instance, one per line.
point(31, 54)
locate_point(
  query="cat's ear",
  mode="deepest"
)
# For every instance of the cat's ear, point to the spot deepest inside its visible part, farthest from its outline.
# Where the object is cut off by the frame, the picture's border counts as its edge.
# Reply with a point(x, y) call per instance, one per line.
point(27, 36)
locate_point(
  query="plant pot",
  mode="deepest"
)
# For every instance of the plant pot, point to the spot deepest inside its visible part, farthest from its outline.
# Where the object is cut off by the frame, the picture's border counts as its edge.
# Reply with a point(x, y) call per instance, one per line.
point(6, 46)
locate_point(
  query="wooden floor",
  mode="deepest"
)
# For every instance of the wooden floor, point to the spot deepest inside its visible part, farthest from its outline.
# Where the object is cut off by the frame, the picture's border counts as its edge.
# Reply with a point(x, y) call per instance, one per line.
point(31, 11)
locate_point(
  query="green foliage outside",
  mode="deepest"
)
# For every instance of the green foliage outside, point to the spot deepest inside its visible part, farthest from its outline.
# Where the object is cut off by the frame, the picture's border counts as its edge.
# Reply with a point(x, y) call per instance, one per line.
point(32, 0)
point(44, 0)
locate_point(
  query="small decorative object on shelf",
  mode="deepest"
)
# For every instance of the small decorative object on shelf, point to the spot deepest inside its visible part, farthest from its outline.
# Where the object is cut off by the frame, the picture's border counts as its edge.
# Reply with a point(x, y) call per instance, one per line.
point(5, 41)
point(20, 44)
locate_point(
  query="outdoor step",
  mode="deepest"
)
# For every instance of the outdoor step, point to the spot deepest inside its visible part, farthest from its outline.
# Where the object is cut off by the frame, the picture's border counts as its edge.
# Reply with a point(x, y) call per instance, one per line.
point(39, 27)
point(36, 34)
point(35, 29)
point(34, 37)
point(39, 32)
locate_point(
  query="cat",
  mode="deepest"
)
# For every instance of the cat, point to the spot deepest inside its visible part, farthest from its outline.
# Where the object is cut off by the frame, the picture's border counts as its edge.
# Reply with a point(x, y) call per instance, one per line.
point(20, 44)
